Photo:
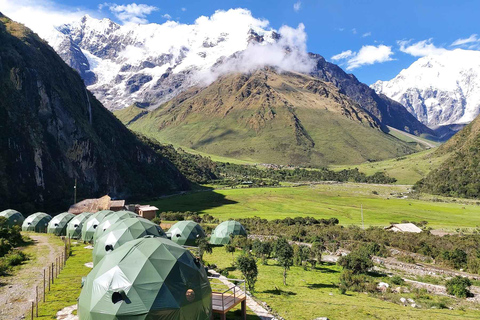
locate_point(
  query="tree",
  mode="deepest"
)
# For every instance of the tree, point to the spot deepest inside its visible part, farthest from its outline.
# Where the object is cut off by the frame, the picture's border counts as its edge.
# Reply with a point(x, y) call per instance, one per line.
point(266, 251)
point(358, 261)
point(316, 252)
point(248, 266)
point(203, 246)
point(231, 249)
point(284, 253)
point(458, 286)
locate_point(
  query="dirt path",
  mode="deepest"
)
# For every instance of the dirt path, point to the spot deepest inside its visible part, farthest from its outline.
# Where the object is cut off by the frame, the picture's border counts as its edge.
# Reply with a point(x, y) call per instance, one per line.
point(17, 291)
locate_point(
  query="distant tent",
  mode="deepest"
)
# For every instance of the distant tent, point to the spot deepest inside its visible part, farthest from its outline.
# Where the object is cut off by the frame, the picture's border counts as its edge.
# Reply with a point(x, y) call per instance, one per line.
point(36, 222)
point(14, 218)
point(221, 234)
point(122, 232)
point(58, 224)
point(74, 226)
point(110, 220)
point(148, 278)
point(186, 233)
point(89, 226)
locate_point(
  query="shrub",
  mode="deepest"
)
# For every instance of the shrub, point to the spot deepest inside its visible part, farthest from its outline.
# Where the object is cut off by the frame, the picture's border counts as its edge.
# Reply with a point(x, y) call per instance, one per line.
point(15, 258)
point(459, 287)
point(397, 280)
point(358, 261)
point(248, 266)
point(157, 220)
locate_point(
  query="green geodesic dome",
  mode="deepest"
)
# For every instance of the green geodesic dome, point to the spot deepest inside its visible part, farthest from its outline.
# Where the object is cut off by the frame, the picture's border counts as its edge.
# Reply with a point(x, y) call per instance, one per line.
point(221, 234)
point(89, 226)
point(14, 218)
point(74, 226)
point(186, 233)
point(148, 278)
point(110, 220)
point(58, 224)
point(122, 232)
point(36, 222)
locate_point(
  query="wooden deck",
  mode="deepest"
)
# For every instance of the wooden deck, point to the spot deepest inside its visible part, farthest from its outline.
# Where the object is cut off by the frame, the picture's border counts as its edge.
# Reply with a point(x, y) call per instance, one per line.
point(226, 296)
point(223, 303)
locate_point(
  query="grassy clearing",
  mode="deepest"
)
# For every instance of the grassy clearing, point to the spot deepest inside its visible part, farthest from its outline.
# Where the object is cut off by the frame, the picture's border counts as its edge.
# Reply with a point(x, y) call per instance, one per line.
point(311, 294)
point(341, 201)
point(407, 170)
point(66, 289)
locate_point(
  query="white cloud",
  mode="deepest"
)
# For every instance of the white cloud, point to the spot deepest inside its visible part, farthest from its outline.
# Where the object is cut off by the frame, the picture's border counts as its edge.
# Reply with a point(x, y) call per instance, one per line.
point(184, 9)
point(297, 6)
point(131, 13)
point(41, 16)
point(366, 34)
point(167, 16)
point(343, 55)
point(420, 48)
point(367, 55)
point(473, 39)
point(354, 31)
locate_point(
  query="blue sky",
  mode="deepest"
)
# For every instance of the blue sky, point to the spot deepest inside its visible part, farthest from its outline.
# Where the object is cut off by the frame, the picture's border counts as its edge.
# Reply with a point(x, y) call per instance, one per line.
point(332, 26)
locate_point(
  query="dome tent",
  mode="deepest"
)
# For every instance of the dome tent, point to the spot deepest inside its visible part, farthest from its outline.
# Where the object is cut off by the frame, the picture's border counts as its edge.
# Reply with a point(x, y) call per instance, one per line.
point(89, 226)
point(148, 278)
point(74, 226)
point(124, 231)
point(58, 224)
point(221, 234)
point(110, 220)
point(14, 218)
point(186, 233)
point(37, 222)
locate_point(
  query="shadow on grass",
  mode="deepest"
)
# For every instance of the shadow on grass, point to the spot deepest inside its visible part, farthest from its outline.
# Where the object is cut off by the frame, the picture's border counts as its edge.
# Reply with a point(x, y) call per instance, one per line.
point(376, 274)
point(326, 270)
point(321, 286)
point(194, 202)
point(237, 315)
point(280, 292)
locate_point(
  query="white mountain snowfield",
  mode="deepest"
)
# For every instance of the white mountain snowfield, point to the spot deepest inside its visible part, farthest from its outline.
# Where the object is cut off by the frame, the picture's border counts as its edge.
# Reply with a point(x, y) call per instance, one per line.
point(151, 63)
point(441, 89)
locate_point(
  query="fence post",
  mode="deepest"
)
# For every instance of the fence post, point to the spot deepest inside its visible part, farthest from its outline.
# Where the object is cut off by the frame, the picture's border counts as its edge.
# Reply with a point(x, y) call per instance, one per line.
point(43, 284)
point(52, 272)
point(48, 278)
point(36, 301)
point(32, 310)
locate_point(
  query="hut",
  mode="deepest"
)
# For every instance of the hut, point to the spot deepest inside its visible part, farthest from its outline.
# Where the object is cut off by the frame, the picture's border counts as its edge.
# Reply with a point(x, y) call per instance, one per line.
point(148, 278)
point(223, 232)
point(14, 218)
point(58, 224)
point(122, 232)
point(36, 222)
point(95, 205)
point(110, 220)
point(74, 226)
point(403, 227)
point(186, 233)
point(88, 228)
point(147, 211)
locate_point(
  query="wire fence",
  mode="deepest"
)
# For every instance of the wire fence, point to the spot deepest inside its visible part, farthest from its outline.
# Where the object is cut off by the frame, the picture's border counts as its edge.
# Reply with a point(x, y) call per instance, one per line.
point(47, 279)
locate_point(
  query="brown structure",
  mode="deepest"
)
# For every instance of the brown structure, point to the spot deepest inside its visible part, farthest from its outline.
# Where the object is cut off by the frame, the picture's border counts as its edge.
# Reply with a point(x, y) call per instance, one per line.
point(226, 298)
point(95, 205)
point(148, 212)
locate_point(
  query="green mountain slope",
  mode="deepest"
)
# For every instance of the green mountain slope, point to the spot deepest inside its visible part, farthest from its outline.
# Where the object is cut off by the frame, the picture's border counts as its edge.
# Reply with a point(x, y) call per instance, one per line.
point(54, 131)
point(459, 174)
point(269, 117)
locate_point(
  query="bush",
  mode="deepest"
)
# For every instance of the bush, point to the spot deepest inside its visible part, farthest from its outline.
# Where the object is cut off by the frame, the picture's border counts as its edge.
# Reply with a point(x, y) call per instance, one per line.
point(157, 220)
point(15, 258)
point(459, 287)
point(357, 261)
point(397, 280)
point(356, 282)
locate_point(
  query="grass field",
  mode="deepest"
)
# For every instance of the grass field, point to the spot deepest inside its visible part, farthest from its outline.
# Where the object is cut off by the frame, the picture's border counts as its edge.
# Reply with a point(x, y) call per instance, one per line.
point(311, 294)
point(342, 201)
point(407, 170)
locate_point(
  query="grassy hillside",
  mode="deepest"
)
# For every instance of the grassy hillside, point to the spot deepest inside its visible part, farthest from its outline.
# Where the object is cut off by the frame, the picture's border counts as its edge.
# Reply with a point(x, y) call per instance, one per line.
point(266, 117)
point(459, 174)
point(407, 170)
point(341, 201)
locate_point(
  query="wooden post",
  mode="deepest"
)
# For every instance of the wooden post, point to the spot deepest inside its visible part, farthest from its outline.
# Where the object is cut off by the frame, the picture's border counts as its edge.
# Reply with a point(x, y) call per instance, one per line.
point(36, 301)
point(244, 309)
point(32, 310)
point(49, 279)
point(52, 271)
point(43, 284)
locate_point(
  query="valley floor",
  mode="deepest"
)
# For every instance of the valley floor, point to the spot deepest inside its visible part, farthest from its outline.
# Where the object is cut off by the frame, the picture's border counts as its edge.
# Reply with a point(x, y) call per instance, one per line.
point(382, 204)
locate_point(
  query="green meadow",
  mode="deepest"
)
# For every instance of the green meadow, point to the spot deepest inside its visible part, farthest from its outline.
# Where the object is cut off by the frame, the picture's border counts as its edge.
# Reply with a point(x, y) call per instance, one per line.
point(381, 204)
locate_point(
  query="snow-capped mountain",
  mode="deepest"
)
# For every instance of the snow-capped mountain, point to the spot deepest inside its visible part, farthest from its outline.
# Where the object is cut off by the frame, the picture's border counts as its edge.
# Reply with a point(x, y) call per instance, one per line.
point(151, 63)
point(438, 90)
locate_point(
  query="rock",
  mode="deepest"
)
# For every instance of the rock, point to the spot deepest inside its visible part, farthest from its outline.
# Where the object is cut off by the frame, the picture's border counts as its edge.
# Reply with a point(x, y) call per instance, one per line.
point(403, 300)
point(411, 300)
point(321, 318)
point(413, 305)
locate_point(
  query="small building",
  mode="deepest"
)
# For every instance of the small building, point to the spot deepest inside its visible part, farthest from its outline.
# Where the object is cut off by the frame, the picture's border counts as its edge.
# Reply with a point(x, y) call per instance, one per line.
point(147, 211)
point(404, 227)
point(95, 205)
